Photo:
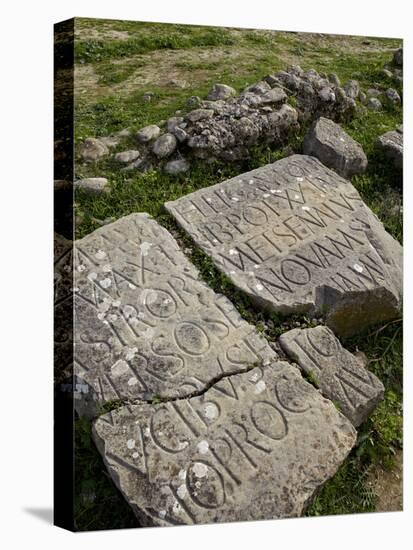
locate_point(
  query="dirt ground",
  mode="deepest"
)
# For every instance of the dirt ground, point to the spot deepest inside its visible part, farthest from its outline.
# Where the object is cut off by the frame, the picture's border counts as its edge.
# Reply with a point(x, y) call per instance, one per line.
point(388, 486)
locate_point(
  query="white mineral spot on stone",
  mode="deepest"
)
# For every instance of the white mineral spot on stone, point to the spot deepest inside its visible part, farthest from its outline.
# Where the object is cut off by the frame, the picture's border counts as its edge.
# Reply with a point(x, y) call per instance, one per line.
point(162, 513)
point(101, 316)
point(235, 199)
point(149, 296)
point(203, 447)
point(106, 268)
point(145, 247)
point(259, 387)
point(119, 368)
point(306, 208)
point(113, 317)
point(254, 377)
point(251, 273)
point(256, 266)
point(209, 199)
point(100, 254)
point(358, 268)
point(232, 251)
point(214, 240)
point(183, 445)
point(130, 443)
point(131, 286)
point(200, 469)
point(251, 182)
point(75, 289)
point(181, 491)
point(182, 474)
point(130, 354)
point(259, 287)
point(147, 431)
point(128, 311)
point(105, 283)
point(81, 267)
point(135, 455)
point(266, 195)
point(299, 179)
point(211, 411)
point(232, 272)
point(176, 507)
point(116, 303)
point(296, 197)
point(148, 333)
point(132, 381)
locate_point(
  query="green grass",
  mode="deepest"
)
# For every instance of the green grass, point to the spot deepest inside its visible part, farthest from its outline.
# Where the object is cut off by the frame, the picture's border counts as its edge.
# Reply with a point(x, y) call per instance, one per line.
point(381, 435)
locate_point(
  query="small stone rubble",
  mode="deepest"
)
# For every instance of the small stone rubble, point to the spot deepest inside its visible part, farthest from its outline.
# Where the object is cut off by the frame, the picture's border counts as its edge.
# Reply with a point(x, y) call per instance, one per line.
point(391, 144)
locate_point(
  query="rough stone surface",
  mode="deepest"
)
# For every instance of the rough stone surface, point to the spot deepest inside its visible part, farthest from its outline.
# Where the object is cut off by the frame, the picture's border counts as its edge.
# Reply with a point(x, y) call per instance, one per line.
point(164, 146)
point(391, 143)
point(327, 141)
point(393, 95)
point(179, 166)
point(145, 325)
point(220, 91)
point(148, 133)
point(374, 104)
point(93, 149)
point(296, 237)
point(398, 57)
point(341, 376)
point(352, 89)
point(127, 156)
point(255, 446)
point(199, 114)
point(93, 186)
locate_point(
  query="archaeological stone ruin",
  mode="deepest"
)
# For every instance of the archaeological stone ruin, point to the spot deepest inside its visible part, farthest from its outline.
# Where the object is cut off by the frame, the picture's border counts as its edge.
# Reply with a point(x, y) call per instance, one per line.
point(198, 417)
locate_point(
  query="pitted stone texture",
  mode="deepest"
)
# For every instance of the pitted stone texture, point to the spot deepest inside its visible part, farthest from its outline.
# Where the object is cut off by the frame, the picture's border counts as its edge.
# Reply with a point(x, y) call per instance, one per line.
point(327, 141)
point(144, 324)
point(391, 143)
point(297, 238)
point(341, 376)
point(255, 446)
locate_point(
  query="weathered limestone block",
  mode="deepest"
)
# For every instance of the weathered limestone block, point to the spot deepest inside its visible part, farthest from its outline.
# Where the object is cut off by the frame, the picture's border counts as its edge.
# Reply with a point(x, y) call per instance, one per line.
point(341, 376)
point(255, 446)
point(391, 143)
point(297, 238)
point(327, 141)
point(144, 324)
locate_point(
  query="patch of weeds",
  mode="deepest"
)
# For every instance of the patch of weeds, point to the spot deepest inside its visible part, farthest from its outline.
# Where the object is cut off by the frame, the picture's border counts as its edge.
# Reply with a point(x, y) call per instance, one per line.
point(98, 504)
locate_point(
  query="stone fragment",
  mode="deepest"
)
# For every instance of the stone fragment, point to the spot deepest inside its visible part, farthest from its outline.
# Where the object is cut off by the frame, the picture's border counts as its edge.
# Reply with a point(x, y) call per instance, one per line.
point(127, 156)
point(398, 57)
point(180, 134)
point(297, 238)
point(327, 141)
point(387, 73)
point(391, 143)
point(327, 94)
point(221, 91)
point(148, 133)
point(199, 114)
point(148, 96)
point(173, 122)
point(333, 78)
point(255, 446)
point(93, 149)
point(393, 96)
point(340, 375)
point(363, 98)
point(93, 186)
point(373, 92)
point(145, 325)
point(164, 146)
point(260, 88)
point(179, 166)
point(352, 89)
point(275, 95)
point(374, 104)
point(193, 101)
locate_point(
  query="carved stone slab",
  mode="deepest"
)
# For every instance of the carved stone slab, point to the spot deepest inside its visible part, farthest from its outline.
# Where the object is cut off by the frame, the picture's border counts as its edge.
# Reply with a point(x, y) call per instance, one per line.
point(341, 376)
point(297, 237)
point(144, 324)
point(254, 446)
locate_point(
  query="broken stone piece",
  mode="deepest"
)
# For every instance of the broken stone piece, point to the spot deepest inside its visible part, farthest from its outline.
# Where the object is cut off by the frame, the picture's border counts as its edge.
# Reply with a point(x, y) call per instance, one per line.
point(327, 141)
point(341, 376)
point(220, 91)
point(255, 446)
point(391, 143)
point(145, 325)
point(93, 186)
point(93, 149)
point(148, 133)
point(127, 156)
point(297, 238)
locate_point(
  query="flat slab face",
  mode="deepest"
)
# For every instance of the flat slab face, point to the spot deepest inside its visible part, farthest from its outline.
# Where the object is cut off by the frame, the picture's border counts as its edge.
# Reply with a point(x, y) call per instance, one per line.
point(341, 376)
point(144, 324)
point(297, 237)
point(255, 446)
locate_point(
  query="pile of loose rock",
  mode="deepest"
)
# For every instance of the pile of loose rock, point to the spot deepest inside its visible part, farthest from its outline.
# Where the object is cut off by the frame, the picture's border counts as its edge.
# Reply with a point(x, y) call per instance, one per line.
point(225, 126)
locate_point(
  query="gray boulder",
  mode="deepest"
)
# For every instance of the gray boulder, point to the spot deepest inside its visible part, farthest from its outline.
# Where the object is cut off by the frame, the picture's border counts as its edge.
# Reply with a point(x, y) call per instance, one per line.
point(93, 149)
point(199, 114)
point(374, 104)
point(393, 96)
point(275, 96)
point(127, 156)
point(164, 146)
point(173, 122)
point(327, 141)
point(220, 91)
point(352, 89)
point(93, 186)
point(391, 143)
point(398, 57)
point(148, 133)
point(179, 166)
